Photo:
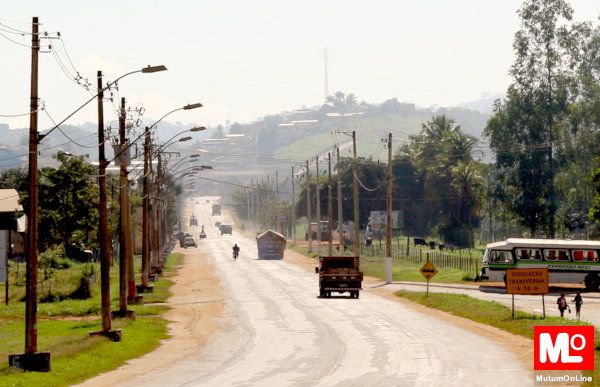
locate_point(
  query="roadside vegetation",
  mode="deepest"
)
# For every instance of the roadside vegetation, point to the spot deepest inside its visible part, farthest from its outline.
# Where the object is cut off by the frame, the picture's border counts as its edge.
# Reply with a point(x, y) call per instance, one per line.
point(497, 315)
point(64, 325)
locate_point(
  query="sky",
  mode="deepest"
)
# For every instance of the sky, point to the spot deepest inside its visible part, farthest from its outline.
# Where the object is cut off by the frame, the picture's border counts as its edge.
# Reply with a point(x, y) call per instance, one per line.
point(246, 59)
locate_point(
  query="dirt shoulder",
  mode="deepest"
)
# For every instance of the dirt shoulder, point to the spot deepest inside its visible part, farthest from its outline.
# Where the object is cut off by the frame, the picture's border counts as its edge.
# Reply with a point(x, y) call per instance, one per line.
point(196, 313)
point(521, 347)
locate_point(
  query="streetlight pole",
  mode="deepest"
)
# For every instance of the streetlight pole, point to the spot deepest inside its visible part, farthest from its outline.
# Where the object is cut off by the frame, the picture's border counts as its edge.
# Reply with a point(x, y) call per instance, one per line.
point(127, 294)
point(32, 360)
point(355, 193)
point(103, 234)
point(388, 209)
point(308, 212)
point(340, 205)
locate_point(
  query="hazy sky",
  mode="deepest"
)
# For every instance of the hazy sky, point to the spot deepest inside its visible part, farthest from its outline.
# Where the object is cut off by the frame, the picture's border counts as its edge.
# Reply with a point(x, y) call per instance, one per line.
point(244, 59)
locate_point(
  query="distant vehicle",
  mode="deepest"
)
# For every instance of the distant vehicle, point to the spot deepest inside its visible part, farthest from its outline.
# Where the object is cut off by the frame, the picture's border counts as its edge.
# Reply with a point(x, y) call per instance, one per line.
point(197, 201)
point(217, 224)
point(207, 201)
point(202, 235)
point(226, 229)
point(189, 242)
point(567, 261)
point(216, 209)
point(193, 221)
point(324, 231)
point(339, 274)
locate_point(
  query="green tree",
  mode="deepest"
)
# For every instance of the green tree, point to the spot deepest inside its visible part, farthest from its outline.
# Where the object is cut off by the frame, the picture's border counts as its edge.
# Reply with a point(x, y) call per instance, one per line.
point(68, 203)
point(523, 130)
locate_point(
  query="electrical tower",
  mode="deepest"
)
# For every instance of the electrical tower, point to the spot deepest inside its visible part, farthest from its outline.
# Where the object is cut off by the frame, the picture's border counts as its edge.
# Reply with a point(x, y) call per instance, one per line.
point(325, 79)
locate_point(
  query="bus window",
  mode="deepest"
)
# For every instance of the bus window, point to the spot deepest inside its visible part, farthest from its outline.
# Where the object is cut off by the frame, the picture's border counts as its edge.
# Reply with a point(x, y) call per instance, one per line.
point(500, 256)
point(585, 255)
point(556, 255)
point(527, 254)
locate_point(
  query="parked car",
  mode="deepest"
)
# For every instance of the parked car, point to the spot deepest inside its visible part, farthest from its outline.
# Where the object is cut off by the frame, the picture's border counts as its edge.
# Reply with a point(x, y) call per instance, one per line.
point(189, 242)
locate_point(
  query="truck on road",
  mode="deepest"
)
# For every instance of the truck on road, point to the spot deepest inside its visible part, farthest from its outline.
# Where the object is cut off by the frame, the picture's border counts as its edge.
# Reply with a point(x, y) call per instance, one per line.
point(339, 274)
point(216, 209)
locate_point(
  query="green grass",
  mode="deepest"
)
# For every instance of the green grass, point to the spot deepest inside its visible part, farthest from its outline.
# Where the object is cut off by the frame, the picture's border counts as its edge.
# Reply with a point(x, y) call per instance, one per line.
point(401, 270)
point(63, 328)
point(497, 315)
point(82, 357)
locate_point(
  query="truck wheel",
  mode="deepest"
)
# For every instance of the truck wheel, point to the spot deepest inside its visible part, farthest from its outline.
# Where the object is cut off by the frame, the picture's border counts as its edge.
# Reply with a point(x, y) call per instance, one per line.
point(357, 293)
point(592, 281)
point(321, 293)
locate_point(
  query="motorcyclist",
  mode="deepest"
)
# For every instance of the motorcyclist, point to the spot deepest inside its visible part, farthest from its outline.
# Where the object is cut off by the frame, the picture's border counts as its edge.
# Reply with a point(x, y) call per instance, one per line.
point(236, 251)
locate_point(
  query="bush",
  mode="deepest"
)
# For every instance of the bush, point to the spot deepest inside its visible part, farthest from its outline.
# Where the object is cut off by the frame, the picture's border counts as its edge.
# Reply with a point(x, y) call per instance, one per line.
point(54, 258)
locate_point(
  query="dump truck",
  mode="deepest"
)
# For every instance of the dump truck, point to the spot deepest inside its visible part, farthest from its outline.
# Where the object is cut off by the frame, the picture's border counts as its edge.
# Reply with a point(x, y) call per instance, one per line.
point(216, 209)
point(339, 274)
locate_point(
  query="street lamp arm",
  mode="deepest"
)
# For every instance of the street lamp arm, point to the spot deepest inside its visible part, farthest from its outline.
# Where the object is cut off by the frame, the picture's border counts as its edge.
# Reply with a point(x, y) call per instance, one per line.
point(95, 96)
point(166, 143)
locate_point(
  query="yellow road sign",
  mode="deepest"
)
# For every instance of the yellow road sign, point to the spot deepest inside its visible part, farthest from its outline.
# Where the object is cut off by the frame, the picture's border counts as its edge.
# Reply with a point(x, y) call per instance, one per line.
point(527, 281)
point(428, 270)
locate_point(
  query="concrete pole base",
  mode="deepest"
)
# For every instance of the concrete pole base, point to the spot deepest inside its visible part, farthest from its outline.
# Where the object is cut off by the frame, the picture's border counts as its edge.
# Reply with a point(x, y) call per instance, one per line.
point(145, 288)
point(37, 362)
point(114, 335)
point(123, 314)
point(388, 270)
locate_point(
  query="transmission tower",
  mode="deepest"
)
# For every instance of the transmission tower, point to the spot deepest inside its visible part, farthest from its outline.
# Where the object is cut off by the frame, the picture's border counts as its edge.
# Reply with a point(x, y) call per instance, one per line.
point(325, 79)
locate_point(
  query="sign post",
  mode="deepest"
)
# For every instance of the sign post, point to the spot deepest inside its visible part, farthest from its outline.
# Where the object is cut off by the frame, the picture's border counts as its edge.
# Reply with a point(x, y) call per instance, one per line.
point(527, 281)
point(428, 271)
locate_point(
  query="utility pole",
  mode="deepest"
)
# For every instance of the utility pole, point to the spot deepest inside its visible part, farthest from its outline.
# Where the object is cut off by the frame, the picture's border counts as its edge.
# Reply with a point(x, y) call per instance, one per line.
point(318, 211)
point(355, 192)
point(31, 359)
point(277, 201)
point(329, 208)
point(125, 240)
point(103, 233)
point(340, 205)
point(146, 210)
point(31, 332)
point(293, 209)
point(388, 210)
point(308, 212)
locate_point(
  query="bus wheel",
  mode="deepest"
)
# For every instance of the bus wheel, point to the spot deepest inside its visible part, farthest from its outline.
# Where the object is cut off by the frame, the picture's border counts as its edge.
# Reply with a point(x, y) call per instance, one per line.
point(592, 281)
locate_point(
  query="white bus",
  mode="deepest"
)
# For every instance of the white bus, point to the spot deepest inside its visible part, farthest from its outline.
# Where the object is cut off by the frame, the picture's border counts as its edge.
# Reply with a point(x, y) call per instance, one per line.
point(568, 261)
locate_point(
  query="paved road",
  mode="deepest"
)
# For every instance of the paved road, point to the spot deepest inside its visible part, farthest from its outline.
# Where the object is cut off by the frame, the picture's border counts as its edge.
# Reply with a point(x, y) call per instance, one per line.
point(280, 333)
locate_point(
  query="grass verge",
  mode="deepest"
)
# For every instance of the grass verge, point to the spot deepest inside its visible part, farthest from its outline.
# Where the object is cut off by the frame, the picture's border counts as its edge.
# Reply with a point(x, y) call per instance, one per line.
point(63, 328)
point(401, 270)
point(496, 315)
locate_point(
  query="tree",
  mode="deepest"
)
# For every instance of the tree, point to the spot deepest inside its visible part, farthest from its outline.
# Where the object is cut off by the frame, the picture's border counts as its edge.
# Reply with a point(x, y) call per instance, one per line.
point(441, 154)
point(523, 129)
point(68, 204)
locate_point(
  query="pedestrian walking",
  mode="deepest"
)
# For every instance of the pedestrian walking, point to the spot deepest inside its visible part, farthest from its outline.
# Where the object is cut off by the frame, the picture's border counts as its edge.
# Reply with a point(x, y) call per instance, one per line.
point(578, 302)
point(562, 304)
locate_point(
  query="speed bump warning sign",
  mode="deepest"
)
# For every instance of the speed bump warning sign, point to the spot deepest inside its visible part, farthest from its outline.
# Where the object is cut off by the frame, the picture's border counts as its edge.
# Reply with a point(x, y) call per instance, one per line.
point(428, 270)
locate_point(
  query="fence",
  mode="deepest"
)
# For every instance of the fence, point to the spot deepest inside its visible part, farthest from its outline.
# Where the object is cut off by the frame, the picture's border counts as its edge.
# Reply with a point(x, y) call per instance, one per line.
point(441, 259)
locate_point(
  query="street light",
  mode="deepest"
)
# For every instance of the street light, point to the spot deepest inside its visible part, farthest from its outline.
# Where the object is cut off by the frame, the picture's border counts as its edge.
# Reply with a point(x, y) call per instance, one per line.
point(32, 215)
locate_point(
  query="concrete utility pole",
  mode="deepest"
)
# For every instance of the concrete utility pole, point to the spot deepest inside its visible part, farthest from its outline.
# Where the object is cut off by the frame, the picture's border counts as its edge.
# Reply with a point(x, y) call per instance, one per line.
point(318, 211)
point(355, 192)
point(32, 216)
point(103, 233)
point(308, 212)
point(329, 208)
point(293, 209)
point(125, 239)
point(277, 201)
point(146, 210)
point(340, 205)
point(388, 210)
point(32, 360)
